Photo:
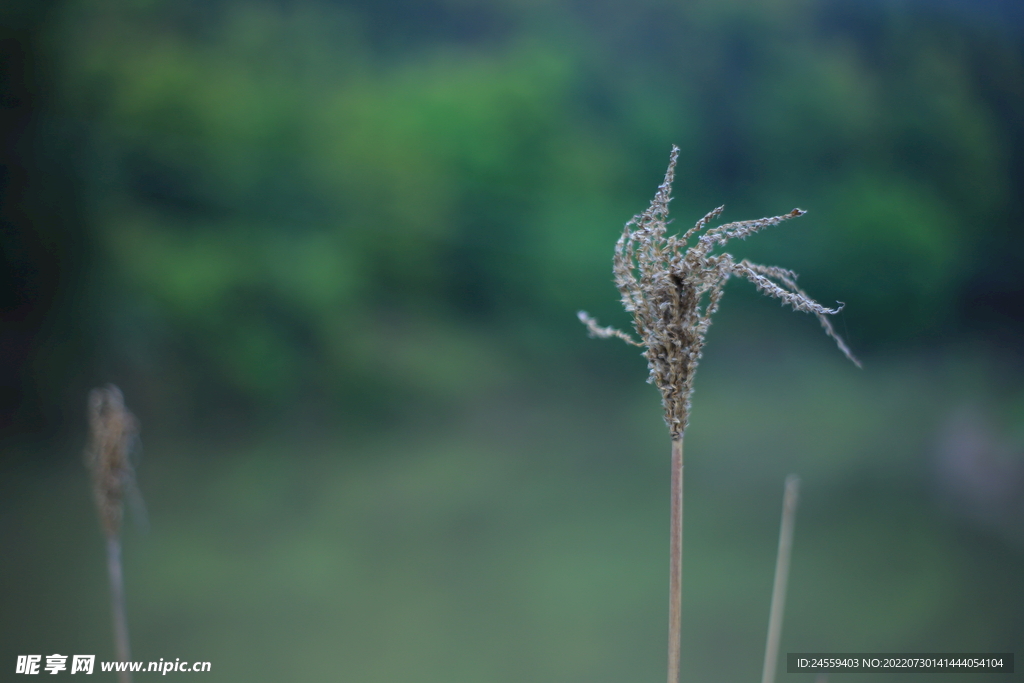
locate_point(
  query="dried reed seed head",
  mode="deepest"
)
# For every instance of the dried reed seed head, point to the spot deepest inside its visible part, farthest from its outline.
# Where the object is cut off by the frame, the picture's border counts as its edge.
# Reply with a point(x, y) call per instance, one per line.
point(673, 290)
point(112, 433)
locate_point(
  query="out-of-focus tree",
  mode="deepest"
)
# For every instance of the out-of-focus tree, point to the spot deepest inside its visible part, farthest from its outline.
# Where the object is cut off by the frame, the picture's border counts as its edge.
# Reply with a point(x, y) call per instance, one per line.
point(367, 201)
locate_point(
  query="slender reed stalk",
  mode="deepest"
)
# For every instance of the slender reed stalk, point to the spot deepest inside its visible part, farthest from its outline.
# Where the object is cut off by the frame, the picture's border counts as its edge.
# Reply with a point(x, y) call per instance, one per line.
point(113, 431)
point(675, 581)
point(121, 646)
point(771, 650)
point(672, 289)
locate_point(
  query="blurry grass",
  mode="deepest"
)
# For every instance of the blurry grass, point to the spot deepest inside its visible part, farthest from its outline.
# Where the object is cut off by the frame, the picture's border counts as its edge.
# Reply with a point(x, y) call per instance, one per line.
point(524, 541)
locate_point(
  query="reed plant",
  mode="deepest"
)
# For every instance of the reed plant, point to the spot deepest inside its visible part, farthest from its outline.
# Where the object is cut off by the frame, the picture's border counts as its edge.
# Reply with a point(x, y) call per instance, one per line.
point(672, 288)
point(113, 433)
point(771, 648)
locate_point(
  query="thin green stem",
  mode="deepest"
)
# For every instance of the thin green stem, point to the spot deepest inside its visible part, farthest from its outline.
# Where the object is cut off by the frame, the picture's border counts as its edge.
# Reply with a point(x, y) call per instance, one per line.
point(771, 650)
point(675, 583)
point(117, 605)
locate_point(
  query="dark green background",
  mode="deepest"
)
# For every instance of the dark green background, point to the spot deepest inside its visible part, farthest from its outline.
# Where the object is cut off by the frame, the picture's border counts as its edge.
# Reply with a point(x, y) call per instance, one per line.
point(332, 253)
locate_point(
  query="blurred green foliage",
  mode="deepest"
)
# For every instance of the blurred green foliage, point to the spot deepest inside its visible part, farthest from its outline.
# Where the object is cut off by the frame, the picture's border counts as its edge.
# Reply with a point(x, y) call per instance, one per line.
point(358, 201)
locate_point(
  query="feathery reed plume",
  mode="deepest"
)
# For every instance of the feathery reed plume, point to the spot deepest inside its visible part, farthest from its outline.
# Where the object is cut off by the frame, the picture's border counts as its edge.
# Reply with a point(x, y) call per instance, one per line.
point(771, 649)
point(113, 431)
point(672, 291)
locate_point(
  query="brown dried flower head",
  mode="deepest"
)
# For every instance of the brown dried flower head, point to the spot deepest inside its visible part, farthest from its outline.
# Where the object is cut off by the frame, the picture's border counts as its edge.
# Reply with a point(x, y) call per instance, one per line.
point(112, 434)
point(672, 292)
